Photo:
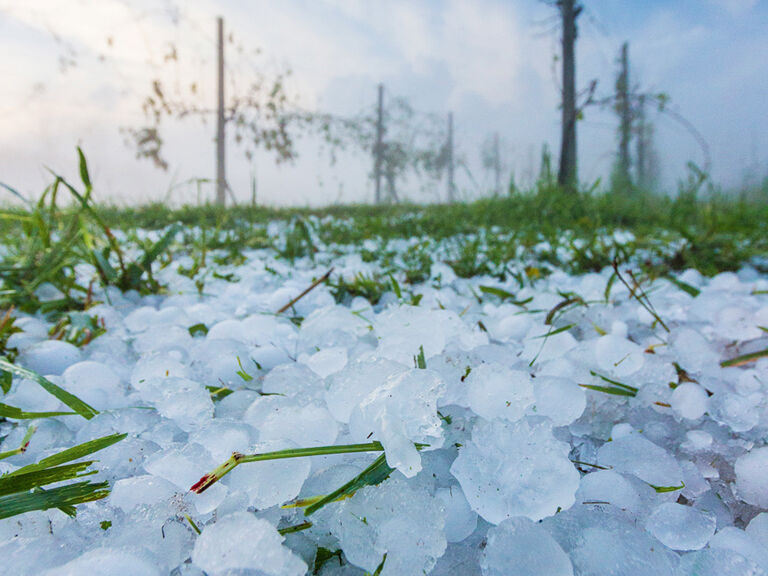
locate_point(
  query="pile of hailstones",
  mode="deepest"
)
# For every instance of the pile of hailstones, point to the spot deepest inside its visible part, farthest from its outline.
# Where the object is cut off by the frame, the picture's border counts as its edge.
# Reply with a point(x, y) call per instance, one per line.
point(524, 470)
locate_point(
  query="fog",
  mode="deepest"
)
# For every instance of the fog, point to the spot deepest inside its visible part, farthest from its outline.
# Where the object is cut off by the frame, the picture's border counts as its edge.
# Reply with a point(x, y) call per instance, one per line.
point(76, 72)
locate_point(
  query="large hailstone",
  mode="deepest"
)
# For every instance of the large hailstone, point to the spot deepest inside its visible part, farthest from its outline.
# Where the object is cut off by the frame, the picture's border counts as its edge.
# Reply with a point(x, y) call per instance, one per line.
point(400, 412)
point(395, 519)
point(636, 455)
point(350, 386)
point(241, 541)
point(524, 548)
point(751, 472)
point(495, 391)
point(681, 527)
point(515, 469)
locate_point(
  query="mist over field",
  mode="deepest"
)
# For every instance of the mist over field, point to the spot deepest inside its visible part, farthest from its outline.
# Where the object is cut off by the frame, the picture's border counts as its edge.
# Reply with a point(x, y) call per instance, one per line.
point(79, 71)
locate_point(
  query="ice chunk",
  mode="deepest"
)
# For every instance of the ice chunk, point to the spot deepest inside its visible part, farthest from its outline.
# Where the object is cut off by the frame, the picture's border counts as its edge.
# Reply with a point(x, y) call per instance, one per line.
point(269, 356)
point(146, 490)
point(95, 383)
point(460, 519)
point(347, 388)
point(731, 538)
point(689, 401)
point(183, 467)
point(162, 366)
point(692, 351)
point(242, 542)
point(327, 361)
point(618, 356)
point(560, 400)
point(293, 380)
point(400, 412)
point(403, 330)
point(738, 412)
point(221, 437)
point(758, 529)
point(634, 454)
point(330, 327)
point(271, 482)
point(696, 440)
point(395, 519)
point(112, 561)
point(607, 541)
point(681, 527)
point(526, 546)
point(307, 425)
point(515, 470)
point(495, 391)
point(545, 348)
point(50, 357)
point(140, 319)
point(609, 486)
point(751, 472)
point(718, 562)
point(184, 401)
point(506, 324)
point(216, 361)
point(736, 323)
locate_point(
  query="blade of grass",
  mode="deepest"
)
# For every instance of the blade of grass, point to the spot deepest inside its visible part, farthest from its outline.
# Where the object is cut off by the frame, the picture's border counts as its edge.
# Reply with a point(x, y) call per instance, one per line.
point(23, 482)
point(609, 390)
point(7, 411)
point(614, 382)
point(68, 399)
point(296, 528)
point(692, 291)
point(237, 458)
point(70, 454)
point(546, 336)
point(62, 497)
point(505, 296)
point(374, 474)
point(745, 359)
point(22, 447)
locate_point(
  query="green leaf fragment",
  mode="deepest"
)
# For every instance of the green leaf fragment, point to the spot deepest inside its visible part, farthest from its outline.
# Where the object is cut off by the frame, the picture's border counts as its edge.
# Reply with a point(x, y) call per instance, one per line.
point(83, 409)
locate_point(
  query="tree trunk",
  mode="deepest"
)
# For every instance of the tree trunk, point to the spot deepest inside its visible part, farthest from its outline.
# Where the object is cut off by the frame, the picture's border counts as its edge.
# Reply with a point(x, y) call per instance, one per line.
point(221, 178)
point(625, 116)
point(568, 175)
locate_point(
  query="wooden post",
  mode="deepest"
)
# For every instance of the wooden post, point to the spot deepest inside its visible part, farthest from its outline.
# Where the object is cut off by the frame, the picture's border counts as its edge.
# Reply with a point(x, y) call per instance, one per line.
point(221, 178)
point(451, 187)
point(567, 175)
point(642, 144)
point(379, 147)
point(497, 163)
point(625, 115)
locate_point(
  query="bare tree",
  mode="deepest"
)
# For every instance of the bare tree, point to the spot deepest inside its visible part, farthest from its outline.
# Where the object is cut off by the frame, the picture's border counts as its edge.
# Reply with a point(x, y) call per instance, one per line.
point(568, 173)
point(260, 115)
point(624, 110)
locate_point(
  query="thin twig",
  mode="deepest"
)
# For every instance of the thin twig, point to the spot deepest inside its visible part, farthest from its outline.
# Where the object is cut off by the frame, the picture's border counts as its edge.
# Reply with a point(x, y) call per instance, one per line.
point(314, 285)
point(639, 294)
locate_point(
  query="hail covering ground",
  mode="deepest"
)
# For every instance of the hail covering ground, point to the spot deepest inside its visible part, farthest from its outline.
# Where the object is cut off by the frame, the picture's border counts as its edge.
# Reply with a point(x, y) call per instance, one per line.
point(503, 462)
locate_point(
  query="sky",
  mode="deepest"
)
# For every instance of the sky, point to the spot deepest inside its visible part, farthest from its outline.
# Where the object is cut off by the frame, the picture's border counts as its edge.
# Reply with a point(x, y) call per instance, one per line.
point(79, 70)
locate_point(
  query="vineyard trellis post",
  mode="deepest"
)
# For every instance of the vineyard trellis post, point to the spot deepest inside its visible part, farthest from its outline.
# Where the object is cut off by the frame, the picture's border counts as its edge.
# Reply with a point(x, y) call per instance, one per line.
point(496, 164)
point(221, 179)
point(378, 150)
point(451, 185)
point(567, 176)
point(642, 142)
point(624, 108)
